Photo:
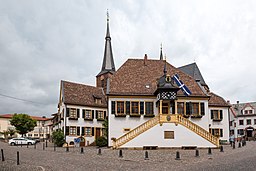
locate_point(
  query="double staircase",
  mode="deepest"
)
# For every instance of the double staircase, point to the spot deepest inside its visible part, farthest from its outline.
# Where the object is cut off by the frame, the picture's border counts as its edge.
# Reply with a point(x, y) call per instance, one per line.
point(160, 119)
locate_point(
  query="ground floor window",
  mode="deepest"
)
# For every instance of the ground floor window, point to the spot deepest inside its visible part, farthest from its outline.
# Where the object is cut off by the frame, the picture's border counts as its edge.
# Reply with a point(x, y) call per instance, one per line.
point(240, 132)
point(72, 130)
point(168, 134)
point(216, 132)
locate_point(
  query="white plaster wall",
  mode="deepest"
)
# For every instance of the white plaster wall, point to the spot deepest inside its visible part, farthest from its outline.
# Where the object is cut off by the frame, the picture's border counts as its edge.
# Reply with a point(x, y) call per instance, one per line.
point(224, 124)
point(155, 137)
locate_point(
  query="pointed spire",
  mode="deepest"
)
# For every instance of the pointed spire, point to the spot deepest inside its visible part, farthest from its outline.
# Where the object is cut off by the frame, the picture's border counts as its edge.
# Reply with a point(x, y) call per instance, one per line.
point(108, 60)
point(161, 53)
point(165, 70)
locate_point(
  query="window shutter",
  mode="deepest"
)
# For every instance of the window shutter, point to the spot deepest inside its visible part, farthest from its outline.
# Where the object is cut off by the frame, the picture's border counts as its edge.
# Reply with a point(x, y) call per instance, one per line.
point(105, 114)
point(96, 114)
point(221, 132)
point(127, 103)
point(211, 114)
point(78, 131)
point(92, 131)
point(83, 130)
point(78, 113)
point(83, 113)
point(67, 130)
point(113, 107)
point(221, 115)
point(213, 132)
point(202, 108)
point(67, 112)
point(92, 114)
point(141, 108)
point(188, 108)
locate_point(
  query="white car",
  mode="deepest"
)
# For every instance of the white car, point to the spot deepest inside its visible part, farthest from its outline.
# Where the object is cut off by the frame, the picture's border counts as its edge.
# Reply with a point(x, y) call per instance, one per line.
point(19, 141)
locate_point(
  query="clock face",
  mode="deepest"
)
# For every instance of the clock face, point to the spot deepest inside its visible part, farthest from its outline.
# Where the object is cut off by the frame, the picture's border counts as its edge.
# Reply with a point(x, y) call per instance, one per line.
point(168, 79)
point(168, 95)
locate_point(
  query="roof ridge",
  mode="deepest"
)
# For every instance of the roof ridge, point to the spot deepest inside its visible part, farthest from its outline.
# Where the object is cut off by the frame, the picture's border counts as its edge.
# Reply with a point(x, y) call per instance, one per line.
point(81, 84)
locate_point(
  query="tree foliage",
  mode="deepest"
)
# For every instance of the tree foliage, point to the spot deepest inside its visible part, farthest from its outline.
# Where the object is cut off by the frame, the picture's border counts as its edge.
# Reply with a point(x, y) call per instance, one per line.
point(23, 123)
point(58, 138)
point(105, 125)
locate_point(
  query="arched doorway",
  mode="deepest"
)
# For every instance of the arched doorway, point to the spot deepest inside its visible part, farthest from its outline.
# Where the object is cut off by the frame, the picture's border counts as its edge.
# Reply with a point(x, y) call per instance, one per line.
point(82, 141)
point(249, 133)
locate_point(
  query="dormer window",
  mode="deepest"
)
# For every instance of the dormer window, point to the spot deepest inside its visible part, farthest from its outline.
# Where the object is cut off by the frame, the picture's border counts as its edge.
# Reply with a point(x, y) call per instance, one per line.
point(97, 99)
point(248, 112)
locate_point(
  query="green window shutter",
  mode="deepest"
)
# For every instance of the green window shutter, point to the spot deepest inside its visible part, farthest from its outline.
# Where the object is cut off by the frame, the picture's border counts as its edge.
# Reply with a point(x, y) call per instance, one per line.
point(202, 108)
point(211, 114)
point(78, 113)
point(92, 114)
point(67, 130)
point(105, 114)
point(82, 131)
point(78, 131)
point(67, 112)
point(221, 115)
point(188, 109)
point(113, 107)
point(221, 132)
point(92, 131)
point(141, 108)
point(83, 113)
point(96, 114)
point(127, 107)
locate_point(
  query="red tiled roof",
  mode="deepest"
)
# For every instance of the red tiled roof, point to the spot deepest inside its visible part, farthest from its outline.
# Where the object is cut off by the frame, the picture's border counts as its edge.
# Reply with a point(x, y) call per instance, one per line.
point(80, 94)
point(136, 78)
point(33, 117)
point(217, 101)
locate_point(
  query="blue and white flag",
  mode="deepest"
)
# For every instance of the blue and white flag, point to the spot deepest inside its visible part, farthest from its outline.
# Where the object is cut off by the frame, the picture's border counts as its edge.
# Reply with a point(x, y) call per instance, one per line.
point(181, 85)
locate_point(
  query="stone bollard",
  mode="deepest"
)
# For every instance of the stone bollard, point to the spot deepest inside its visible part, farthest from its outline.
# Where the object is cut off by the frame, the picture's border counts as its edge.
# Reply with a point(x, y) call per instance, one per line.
point(2, 154)
point(99, 151)
point(197, 153)
point(18, 158)
point(234, 145)
point(67, 149)
point(177, 155)
point(54, 147)
point(27, 145)
point(146, 155)
point(244, 143)
point(120, 153)
point(221, 149)
point(46, 144)
point(209, 151)
point(82, 150)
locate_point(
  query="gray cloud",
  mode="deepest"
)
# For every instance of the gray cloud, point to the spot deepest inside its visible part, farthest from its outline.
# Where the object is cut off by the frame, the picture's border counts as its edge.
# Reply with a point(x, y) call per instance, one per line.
point(42, 43)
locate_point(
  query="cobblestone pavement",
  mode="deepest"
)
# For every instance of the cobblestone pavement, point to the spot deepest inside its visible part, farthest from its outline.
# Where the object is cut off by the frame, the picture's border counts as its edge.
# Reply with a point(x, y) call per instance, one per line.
point(49, 160)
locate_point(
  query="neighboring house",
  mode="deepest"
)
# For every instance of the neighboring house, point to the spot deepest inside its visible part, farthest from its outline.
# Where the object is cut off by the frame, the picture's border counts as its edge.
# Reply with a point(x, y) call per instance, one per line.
point(42, 130)
point(243, 120)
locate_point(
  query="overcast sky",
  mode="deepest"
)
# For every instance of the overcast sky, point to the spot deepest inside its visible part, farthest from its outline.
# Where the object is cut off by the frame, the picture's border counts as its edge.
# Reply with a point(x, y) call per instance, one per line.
point(43, 42)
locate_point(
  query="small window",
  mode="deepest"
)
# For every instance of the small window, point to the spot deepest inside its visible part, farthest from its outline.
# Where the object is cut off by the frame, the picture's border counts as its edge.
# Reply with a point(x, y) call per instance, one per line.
point(72, 113)
point(254, 121)
point(35, 135)
point(241, 122)
point(180, 106)
point(135, 107)
point(127, 129)
point(72, 130)
point(168, 134)
point(248, 122)
point(149, 108)
point(120, 107)
point(88, 131)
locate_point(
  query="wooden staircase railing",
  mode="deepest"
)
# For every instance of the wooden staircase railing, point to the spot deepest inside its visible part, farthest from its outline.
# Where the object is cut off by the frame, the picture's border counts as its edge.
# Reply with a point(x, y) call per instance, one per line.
point(178, 119)
point(135, 132)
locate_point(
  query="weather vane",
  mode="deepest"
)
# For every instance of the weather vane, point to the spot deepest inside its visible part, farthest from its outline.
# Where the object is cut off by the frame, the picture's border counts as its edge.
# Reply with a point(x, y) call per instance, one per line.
point(107, 15)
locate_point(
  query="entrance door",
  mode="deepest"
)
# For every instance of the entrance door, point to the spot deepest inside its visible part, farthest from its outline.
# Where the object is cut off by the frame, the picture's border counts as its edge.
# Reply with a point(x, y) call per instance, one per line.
point(82, 141)
point(97, 133)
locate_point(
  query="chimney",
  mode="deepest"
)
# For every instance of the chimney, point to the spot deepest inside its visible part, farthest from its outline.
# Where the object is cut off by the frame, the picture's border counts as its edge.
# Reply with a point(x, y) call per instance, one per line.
point(145, 59)
point(237, 105)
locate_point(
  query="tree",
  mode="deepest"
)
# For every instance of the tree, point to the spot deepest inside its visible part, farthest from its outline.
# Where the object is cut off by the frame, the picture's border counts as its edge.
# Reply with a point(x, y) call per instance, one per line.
point(58, 138)
point(11, 132)
point(105, 125)
point(23, 123)
point(5, 133)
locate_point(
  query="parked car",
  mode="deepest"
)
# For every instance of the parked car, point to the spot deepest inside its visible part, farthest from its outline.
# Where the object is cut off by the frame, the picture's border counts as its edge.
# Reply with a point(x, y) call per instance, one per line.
point(19, 141)
point(37, 140)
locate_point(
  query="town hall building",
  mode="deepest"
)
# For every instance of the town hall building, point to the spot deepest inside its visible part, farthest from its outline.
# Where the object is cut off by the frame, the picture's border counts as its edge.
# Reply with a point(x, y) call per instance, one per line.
point(148, 103)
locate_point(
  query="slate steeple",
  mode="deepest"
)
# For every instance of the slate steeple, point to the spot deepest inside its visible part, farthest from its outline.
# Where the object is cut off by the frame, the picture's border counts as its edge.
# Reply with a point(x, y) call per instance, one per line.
point(108, 65)
point(161, 53)
point(108, 60)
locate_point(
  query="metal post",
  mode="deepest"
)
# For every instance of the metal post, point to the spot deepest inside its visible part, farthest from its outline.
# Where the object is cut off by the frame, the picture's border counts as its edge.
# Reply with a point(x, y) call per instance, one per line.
point(177, 155)
point(234, 145)
point(35, 146)
point(221, 149)
point(82, 150)
point(120, 153)
point(18, 158)
point(46, 143)
point(239, 145)
point(2, 152)
point(54, 147)
point(99, 151)
point(146, 155)
point(209, 151)
point(197, 153)
point(67, 149)
point(43, 146)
